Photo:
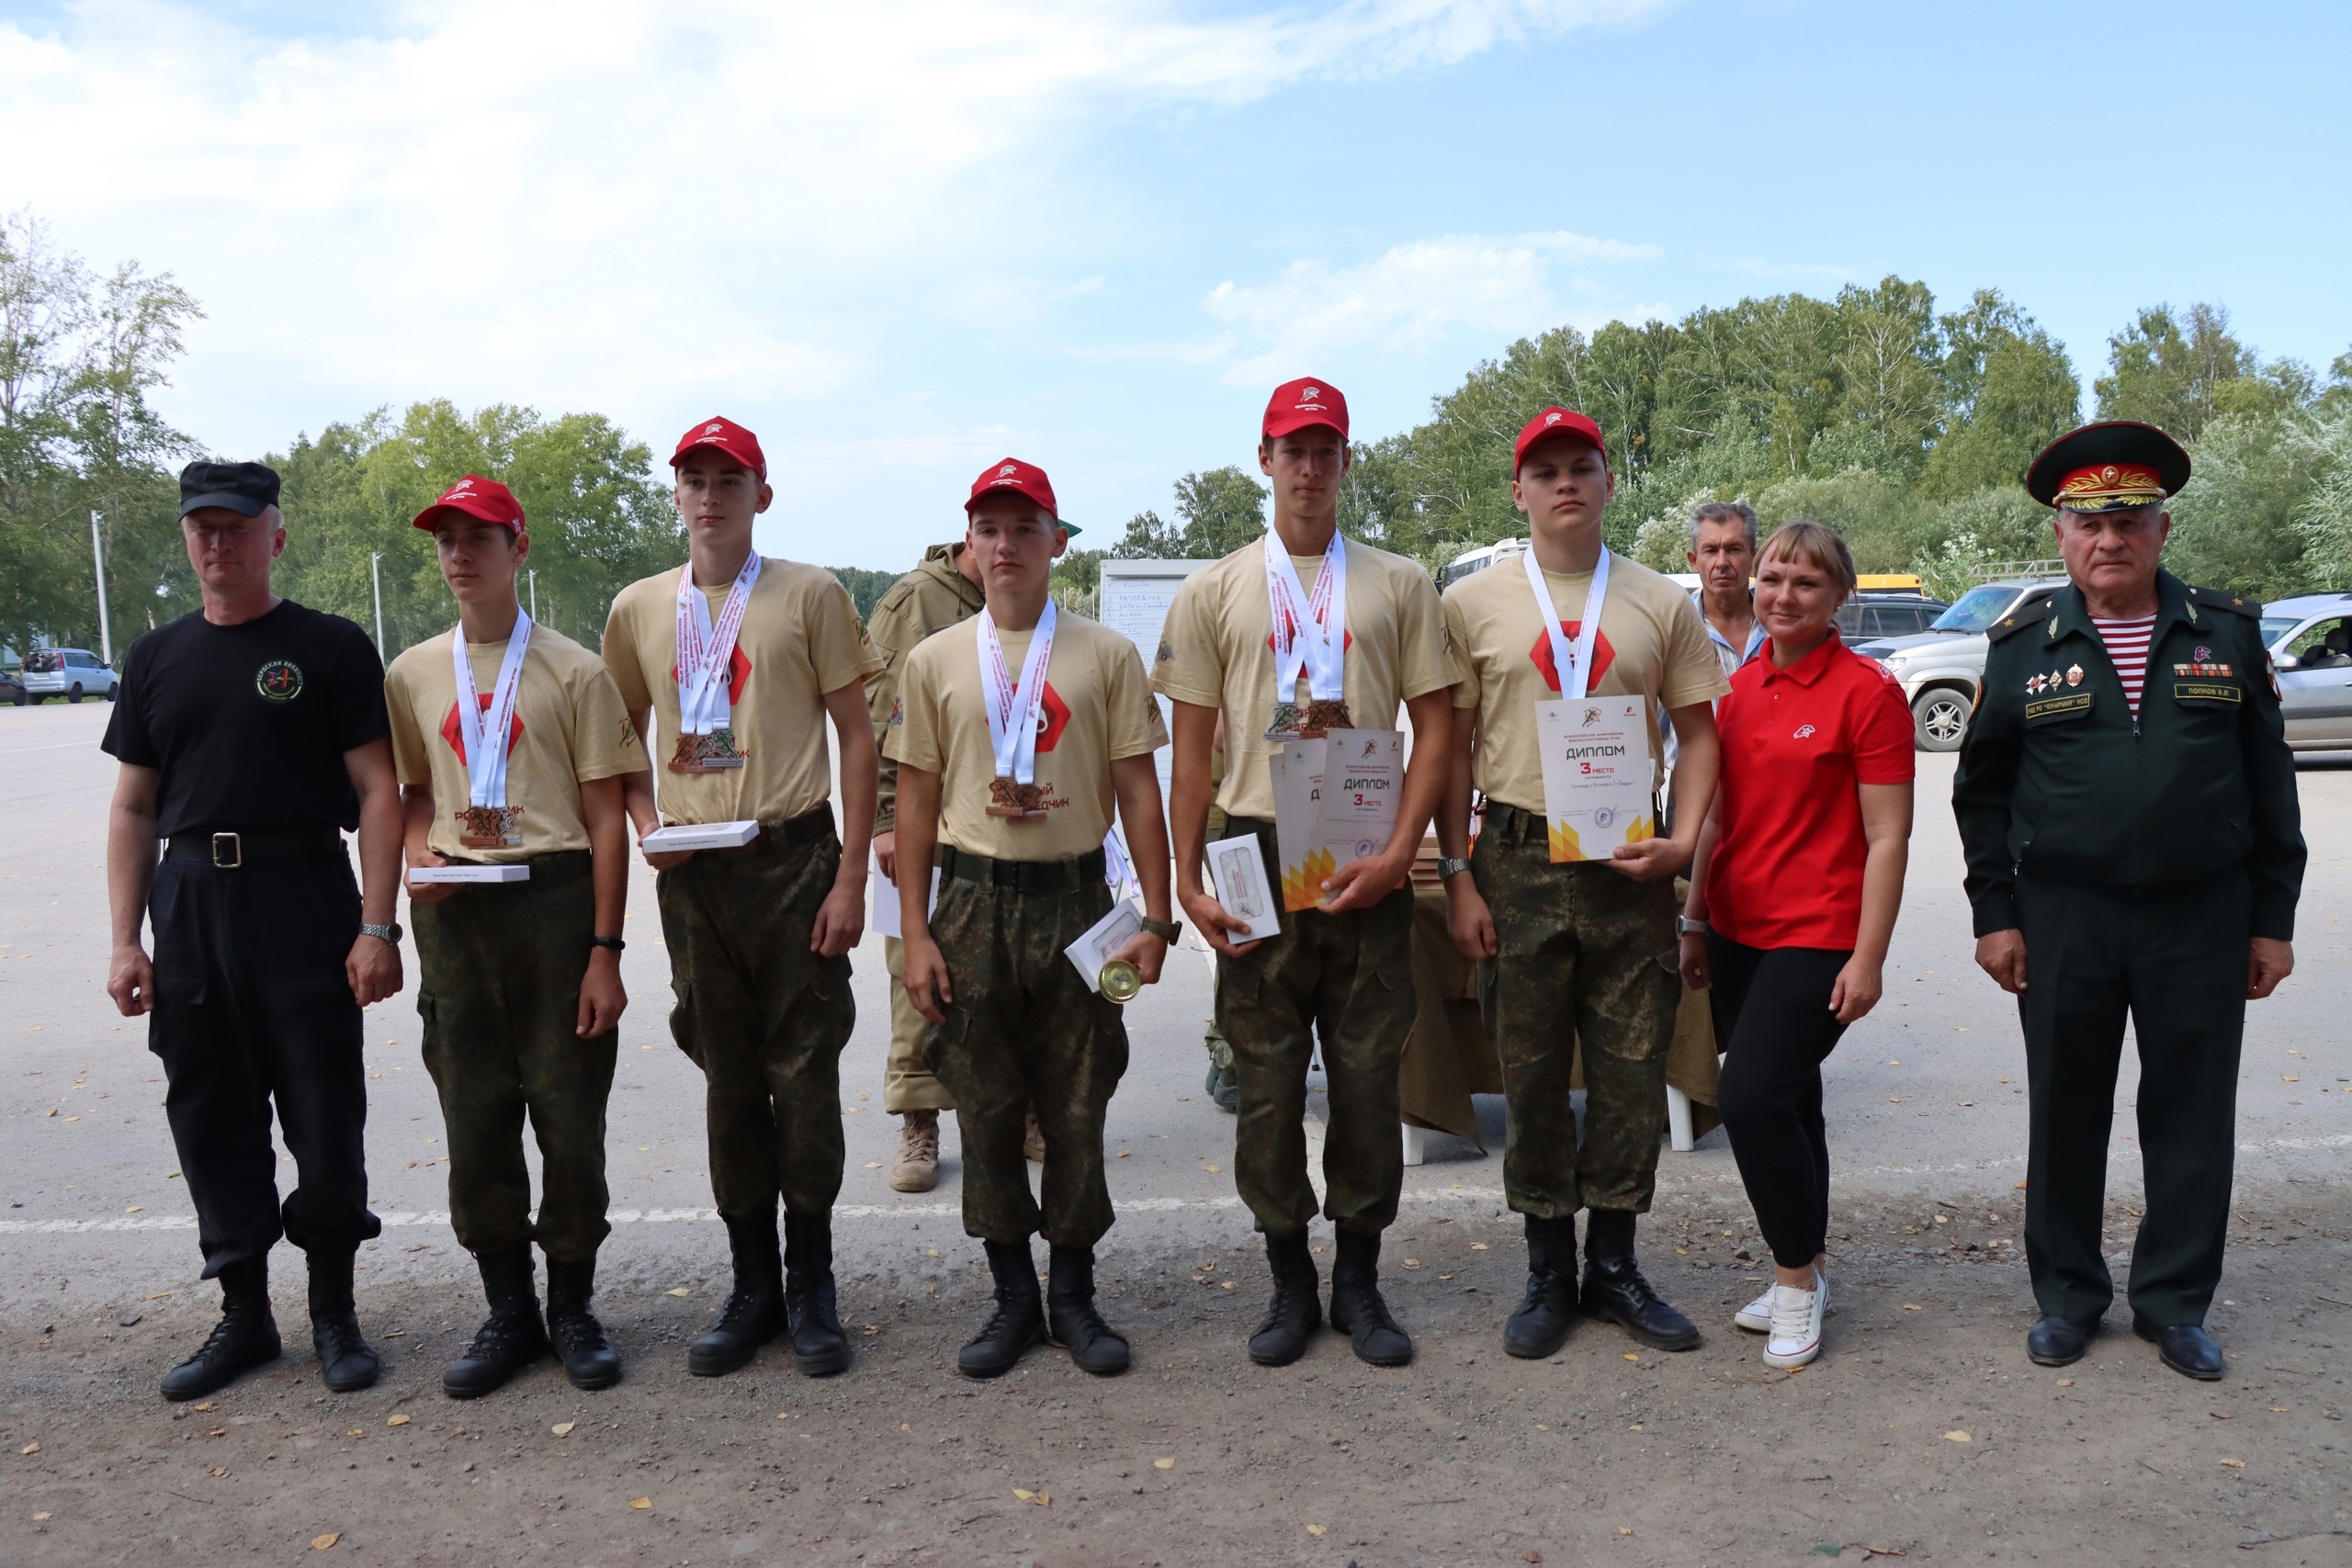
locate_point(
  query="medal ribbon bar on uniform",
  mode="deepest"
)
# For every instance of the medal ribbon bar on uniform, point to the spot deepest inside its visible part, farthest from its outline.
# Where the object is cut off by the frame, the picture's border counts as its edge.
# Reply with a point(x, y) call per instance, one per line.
point(1310, 630)
point(1574, 661)
point(705, 655)
point(1015, 746)
point(485, 730)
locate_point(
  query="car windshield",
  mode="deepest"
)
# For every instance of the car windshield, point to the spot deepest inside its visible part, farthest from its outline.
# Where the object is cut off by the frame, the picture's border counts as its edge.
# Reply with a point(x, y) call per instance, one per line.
point(1977, 608)
point(2276, 627)
point(41, 662)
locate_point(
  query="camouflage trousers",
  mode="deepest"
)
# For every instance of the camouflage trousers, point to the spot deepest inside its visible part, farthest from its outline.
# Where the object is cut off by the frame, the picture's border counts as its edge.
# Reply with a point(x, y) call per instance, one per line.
point(762, 1016)
point(1347, 980)
point(501, 966)
point(1584, 954)
point(1024, 1030)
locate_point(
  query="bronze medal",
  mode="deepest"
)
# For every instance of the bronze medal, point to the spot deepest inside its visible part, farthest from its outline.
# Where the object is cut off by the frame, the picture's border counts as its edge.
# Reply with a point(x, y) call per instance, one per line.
point(1322, 715)
point(490, 827)
point(1016, 802)
point(711, 754)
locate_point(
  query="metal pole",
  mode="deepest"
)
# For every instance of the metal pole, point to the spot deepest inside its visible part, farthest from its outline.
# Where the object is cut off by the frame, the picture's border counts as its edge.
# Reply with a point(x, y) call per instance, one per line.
point(535, 594)
point(376, 581)
point(98, 558)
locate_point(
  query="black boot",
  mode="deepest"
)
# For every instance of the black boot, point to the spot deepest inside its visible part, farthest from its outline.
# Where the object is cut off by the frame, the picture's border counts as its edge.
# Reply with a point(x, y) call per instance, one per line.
point(588, 1357)
point(818, 1341)
point(1019, 1320)
point(344, 1358)
point(1615, 1291)
point(1357, 1310)
point(1071, 1320)
point(511, 1337)
point(755, 1311)
point(1297, 1309)
point(1539, 1326)
point(246, 1336)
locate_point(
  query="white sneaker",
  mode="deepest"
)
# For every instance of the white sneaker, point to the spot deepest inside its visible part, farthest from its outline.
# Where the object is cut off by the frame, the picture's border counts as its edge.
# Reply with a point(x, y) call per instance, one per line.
point(1756, 1315)
point(1796, 1323)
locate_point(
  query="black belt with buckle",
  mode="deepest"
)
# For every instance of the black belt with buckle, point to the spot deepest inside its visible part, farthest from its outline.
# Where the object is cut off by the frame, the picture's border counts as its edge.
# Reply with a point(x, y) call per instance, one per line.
point(231, 850)
point(1024, 875)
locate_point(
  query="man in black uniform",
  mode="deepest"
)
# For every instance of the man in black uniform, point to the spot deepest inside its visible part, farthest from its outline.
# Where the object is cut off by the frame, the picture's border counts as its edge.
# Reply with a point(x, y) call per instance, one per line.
point(2127, 807)
point(250, 734)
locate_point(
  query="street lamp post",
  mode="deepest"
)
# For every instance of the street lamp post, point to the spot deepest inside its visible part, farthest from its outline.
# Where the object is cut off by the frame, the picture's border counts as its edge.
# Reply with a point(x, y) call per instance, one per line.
point(98, 559)
point(376, 582)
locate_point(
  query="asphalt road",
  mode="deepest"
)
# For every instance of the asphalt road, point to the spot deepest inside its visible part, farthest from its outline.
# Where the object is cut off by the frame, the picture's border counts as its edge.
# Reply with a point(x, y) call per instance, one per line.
point(1924, 1105)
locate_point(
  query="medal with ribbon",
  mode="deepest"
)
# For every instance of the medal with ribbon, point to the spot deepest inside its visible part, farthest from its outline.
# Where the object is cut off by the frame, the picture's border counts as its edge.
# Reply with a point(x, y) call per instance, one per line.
point(486, 724)
point(706, 663)
point(1310, 638)
point(1571, 661)
point(1013, 716)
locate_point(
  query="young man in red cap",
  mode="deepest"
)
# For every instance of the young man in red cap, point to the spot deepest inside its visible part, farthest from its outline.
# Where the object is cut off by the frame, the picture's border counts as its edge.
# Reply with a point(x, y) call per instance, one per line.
point(1569, 897)
point(1299, 634)
point(1015, 778)
point(737, 661)
point(512, 744)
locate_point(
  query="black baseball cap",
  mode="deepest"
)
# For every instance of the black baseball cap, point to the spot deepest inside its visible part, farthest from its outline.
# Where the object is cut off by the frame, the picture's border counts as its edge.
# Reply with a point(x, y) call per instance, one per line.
point(246, 489)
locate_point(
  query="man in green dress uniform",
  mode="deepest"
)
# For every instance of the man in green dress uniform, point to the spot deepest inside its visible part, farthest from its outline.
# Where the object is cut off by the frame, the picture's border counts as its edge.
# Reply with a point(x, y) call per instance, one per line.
point(2127, 808)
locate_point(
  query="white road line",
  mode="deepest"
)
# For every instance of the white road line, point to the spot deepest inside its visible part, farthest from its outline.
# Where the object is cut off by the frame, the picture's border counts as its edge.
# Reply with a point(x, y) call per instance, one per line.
point(62, 746)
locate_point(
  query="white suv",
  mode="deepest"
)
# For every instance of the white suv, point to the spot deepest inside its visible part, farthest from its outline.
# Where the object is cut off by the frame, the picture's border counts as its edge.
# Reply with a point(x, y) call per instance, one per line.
point(69, 673)
point(1942, 668)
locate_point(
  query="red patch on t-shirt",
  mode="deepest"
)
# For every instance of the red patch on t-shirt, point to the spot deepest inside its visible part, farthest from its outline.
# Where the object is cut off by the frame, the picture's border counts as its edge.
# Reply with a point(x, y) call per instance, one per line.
point(739, 669)
point(1052, 717)
point(1347, 638)
point(1603, 656)
point(455, 736)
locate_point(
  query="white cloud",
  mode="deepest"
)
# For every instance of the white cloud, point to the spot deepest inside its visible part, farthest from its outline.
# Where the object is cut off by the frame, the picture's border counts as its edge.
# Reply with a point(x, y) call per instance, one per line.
point(1408, 296)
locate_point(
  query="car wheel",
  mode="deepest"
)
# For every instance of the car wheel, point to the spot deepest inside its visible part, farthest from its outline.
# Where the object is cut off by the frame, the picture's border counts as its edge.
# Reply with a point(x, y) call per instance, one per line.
point(75, 695)
point(1939, 718)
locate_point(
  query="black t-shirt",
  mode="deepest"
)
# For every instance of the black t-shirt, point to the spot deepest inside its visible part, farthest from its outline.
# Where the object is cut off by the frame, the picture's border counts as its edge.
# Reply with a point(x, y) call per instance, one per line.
point(248, 724)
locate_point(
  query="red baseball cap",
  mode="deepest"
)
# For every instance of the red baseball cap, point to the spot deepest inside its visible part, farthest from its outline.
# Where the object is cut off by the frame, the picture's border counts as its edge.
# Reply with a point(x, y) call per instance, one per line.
point(1556, 421)
point(728, 438)
point(1295, 405)
point(476, 497)
point(1022, 479)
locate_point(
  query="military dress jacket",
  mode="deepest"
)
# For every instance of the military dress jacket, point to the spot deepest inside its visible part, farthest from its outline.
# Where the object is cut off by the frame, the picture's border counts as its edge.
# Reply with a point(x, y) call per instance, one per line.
point(2059, 779)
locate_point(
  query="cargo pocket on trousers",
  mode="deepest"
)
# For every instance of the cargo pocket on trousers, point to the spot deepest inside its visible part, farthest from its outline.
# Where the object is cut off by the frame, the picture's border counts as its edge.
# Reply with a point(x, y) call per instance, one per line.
point(681, 1020)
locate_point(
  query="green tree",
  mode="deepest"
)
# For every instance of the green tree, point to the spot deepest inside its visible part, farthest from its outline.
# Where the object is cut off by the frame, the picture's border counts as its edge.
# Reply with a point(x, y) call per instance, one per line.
point(866, 587)
point(2170, 373)
point(2012, 391)
point(1217, 511)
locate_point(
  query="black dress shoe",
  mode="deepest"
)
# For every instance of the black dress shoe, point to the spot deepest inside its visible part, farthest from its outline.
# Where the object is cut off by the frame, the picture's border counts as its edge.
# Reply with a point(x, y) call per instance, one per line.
point(1297, 1309)
point(2055, 1341)
point(2186, 1349)
point(1019, 1320)
point(246, 1337)
point(1614, 1292)
point(1539, 1326)
point(1357, 1309)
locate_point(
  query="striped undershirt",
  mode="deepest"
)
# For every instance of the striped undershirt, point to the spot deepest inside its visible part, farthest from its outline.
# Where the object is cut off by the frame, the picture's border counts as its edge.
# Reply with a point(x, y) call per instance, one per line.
point(2127, 649)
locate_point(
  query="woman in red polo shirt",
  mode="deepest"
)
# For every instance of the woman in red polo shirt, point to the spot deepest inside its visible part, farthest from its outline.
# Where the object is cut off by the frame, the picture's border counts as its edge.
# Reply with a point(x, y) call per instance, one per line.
point(1792, 900)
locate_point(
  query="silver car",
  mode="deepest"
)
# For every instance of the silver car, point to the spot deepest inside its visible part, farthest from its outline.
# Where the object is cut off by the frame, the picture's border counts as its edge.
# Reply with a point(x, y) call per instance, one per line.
point(1942, 668)
point(69, 673)
point(2309, 639)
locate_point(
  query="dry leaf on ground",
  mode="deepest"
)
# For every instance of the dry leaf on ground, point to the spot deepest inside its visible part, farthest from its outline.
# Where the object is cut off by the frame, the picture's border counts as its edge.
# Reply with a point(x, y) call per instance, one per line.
point(1958, 1438)
point(29, 1449)
point(682, 1291)
point(562, 1428)
point(320, 1542)
point(2234, 1463)
point(1164, 1464)
point(641, 1504)
point(1318, 1530)
point(400, 1420)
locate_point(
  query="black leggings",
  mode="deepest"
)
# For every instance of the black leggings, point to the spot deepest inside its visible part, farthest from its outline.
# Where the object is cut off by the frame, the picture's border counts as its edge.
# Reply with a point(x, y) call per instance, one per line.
point(1771, 1008)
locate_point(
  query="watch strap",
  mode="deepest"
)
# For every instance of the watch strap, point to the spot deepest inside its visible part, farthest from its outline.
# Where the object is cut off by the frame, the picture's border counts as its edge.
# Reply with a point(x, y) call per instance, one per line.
point(615, 943)
point(1166, 930)
point(391, 933)
point(1449, 866)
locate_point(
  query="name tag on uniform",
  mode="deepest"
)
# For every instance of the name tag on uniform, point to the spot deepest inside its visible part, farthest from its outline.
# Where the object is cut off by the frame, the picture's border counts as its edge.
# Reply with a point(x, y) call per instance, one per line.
point(2073, 703)
point(2206, 692)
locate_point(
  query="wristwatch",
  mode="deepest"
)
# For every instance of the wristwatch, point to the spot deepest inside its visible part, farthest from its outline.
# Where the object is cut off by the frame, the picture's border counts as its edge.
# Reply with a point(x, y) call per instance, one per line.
point(391, 933)
point(1685, 926)
point(615, 943)
point(1448, 866)
point(1166, 930)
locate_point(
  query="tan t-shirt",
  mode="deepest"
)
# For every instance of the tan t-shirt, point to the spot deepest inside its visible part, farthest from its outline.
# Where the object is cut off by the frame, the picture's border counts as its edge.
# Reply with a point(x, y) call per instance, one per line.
point(1096, 710)
point(570, 727)
point(800, 640)
point(1217, 651)
point(1651, 644)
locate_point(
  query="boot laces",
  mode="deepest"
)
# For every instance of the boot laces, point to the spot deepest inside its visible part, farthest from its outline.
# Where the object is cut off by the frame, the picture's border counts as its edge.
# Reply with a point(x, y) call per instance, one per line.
point(340, 1334)
point(742, 1309)
point(578, 1331)
point(918, 1143)
point(231, 1326)
point(499, 1332)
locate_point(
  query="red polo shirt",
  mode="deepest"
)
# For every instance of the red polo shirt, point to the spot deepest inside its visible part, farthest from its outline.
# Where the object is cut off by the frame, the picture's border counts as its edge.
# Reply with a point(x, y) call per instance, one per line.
point(1787, 870)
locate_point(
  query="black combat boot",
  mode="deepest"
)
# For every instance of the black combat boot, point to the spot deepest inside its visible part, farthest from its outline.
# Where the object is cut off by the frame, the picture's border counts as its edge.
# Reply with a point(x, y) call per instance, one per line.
point(1357, 1310)
point(511, 1337)
point(818, 1341)
point(344, 1358)
point(1071, 1320)
point(1539, 1326)
point(1615, 1291)
point(755, 1311)
point(588, 1357)
point(1019, 1320)
point(246, 1336)
point(1297, 1309)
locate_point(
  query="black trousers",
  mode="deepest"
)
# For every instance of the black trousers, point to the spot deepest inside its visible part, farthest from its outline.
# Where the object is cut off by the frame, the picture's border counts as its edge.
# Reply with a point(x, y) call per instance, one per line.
point(252, 1013)
point(2175, 961)
point(1771, 1008)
